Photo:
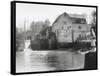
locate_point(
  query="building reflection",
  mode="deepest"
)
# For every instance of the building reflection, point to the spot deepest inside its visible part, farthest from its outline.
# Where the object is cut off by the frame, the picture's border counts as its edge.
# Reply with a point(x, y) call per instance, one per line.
point(36, 61)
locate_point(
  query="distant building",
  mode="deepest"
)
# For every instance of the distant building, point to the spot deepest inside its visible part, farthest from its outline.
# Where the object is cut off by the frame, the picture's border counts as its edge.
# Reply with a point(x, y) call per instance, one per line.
point(69, 28)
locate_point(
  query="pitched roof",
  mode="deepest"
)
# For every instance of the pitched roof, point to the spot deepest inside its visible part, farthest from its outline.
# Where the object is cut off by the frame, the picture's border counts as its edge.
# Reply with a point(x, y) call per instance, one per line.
point(72, 16)
point(65, 14)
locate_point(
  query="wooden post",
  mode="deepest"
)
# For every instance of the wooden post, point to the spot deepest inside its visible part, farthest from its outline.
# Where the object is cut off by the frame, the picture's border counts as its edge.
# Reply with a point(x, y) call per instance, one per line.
point(72, 36)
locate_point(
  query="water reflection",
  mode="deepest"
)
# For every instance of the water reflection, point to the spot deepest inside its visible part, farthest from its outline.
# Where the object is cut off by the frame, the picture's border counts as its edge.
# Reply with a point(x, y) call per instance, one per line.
point(33, 61)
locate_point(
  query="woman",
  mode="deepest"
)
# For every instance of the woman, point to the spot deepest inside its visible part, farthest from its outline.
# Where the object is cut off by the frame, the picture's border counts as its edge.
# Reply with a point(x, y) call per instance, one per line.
point(91, 56)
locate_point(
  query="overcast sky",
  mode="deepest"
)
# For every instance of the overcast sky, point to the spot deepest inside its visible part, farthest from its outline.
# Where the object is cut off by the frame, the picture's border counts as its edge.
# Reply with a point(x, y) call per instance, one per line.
point(38, 12)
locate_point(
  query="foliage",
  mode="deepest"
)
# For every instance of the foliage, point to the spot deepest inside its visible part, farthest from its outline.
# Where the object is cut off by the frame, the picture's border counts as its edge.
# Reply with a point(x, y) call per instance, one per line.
point(93, 23)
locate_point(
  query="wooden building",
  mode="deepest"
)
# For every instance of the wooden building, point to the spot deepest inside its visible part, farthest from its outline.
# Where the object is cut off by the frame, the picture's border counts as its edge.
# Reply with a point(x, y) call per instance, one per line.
point(70, 28)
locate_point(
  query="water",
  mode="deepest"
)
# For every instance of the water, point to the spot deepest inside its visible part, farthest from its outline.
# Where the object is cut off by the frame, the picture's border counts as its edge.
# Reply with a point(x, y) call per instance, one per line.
point(36, 61)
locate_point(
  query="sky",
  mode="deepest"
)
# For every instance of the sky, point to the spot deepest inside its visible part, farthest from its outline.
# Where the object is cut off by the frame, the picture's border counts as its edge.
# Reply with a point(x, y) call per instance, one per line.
point(39, 12)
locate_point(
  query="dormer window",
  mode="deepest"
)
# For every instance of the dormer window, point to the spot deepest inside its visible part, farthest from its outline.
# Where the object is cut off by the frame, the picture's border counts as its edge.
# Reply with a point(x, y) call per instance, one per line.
point(78, 20)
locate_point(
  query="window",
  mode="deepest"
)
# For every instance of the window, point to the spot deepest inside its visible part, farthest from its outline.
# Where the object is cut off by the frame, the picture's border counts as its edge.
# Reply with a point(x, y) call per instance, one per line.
point(79, 27)
point(65, 23)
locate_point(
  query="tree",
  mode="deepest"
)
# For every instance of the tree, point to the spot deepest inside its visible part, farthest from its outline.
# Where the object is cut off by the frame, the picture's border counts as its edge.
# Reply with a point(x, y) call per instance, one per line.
point(47, 22)
point(19, 40)
point(93, 23)
point(36, 27)
point(94, 18)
